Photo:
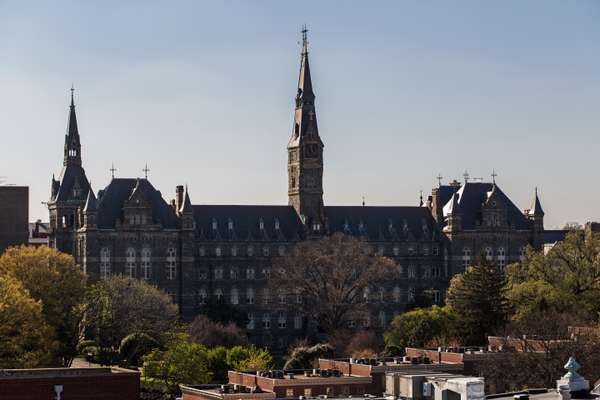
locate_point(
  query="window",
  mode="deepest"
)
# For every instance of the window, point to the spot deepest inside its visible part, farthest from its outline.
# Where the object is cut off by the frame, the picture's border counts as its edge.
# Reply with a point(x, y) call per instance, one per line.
point(201, 251)
point(281, 321)
point(171, 264)
point(234, 296)
point(411, 250)
point(351, 324)
point(425, 250)
point(261, 224)
point(297, 321)
point(250, 251)
point(381, 294)
point(229, 224)
point(214, 224)
point(436, 272)
point(233, 273)
point(249, 273)
point(522, 254)
point(281, 296)
point(436, 296)
point(249, 295)
point(316, 227)
point(328, 390)
point(146, 263)
point(307, 392)
point(489, 253)
point(218, 272)
point(276, 224)
point(218, 251)
point(250, 324)
point(104, 262)
point(266, 321)
point(382, 319)
point(202, 275)
point(412, 272)
point(265, 273)
point(366, 294)
point(130, 262)
point(281, 251)
point(411, 294)
point(426, 272)
point(396, 294)
point(466, 257)
point(298, 295)
point(234, 251)
point(366, 322)
point(266, 251)
point(380, 251)
point(435, 250)
point(202, 295)
point(501, 257)
point(266, 296)
point(219, 295)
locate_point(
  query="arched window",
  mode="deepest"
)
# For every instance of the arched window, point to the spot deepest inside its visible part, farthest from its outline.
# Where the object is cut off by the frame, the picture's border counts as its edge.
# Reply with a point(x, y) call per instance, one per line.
point(266, 321)
point(382, 319)
point(266, 251)
point(282, 321)
point(219, 295)
point(466, 257)
point(234, 297)
point(171, 264)
point(130, 262)
point(281, 251)
point(396, 294)
point(104, 262)
point(366, 293)
point(202, 295)
point(501, 255)
point(250, 295)
point(146, 263)
point(411, 294)
point(489, 253)
point(281, 296)
point(218, 251)
point(250, 324)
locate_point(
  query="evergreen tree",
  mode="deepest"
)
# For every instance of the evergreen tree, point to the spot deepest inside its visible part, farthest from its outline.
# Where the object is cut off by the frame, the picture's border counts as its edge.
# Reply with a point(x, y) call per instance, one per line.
point(478, 297)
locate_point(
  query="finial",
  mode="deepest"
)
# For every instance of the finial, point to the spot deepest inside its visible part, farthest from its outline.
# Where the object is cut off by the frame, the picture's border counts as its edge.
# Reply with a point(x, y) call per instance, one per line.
point(72, 97)
point(363, 201)
point(112, 171)
point(146, 170)
point(439, 178)
point(420, 198)
point(304, 39)
point(494, 175)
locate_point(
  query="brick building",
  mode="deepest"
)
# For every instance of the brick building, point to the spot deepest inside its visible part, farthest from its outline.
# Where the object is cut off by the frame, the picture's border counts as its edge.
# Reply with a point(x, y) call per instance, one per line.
point(223, 253)
point(69, 384)
point(14, 216)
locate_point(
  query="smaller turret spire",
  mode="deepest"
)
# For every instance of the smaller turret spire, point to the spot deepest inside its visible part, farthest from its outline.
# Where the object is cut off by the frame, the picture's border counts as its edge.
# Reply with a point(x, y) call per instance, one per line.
point(90, 203)
point(186, 207)
point(536, 207)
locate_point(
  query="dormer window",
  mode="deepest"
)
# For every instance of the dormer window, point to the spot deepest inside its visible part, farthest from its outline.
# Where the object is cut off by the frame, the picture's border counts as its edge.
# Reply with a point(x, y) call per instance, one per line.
point(229, 225)
point(276, 224)
point(261, 224)
point(316, 227)
point(214, 224)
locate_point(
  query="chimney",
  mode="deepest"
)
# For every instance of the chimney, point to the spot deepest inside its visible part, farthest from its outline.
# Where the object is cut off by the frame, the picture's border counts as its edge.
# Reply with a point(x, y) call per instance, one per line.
point(178, 198)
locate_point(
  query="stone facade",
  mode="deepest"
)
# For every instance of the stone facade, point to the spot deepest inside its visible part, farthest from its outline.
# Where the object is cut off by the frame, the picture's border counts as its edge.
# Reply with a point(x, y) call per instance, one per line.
point(203, 254)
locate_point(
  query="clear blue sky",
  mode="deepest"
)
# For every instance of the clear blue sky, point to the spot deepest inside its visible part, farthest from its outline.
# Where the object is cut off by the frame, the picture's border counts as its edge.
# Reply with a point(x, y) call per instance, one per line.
point(203, 93)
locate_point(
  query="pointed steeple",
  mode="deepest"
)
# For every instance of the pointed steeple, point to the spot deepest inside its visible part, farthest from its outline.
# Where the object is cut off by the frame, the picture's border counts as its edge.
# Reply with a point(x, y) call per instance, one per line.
point(72, 143)
point(536, 207)
point(186, 207)
point(305, 90)
point(90, 202)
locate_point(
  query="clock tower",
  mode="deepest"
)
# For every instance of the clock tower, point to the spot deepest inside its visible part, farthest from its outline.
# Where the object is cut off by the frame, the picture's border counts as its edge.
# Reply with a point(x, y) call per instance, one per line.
point(305, 153)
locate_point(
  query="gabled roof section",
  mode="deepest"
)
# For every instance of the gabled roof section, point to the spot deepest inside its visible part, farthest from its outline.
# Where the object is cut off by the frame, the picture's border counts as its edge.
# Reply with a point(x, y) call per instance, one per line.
point(90, 203)
point(72, 176)
point(246, 222)
point(113, 198)
point(382, 223)
point(472, 196)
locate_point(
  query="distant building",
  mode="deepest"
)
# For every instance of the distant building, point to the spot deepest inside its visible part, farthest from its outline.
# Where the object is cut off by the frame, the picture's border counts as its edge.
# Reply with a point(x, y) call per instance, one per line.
point(69, 383)
point(14, 216)
point(223, 253)
point(38, 233)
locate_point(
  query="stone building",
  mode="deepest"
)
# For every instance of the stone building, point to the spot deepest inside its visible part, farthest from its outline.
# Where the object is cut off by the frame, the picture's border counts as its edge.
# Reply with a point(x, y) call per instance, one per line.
point(14, 216)
point(203, 254)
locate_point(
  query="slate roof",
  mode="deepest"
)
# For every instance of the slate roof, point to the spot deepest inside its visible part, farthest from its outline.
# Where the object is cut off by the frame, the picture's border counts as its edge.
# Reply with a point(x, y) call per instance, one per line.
point(383, 223)
point(472, 195)
point(554, 236)
point(246, 222)
point(112, 198)
point(68, 176)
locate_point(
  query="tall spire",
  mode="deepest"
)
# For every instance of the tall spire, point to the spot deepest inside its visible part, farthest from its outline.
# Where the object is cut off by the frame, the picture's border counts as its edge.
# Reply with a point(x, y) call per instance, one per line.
point(72, 144)
point(305, 90)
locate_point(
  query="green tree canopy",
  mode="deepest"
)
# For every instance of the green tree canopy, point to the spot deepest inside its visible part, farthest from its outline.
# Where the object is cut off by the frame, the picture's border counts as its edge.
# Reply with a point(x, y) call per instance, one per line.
point(58, 284)
point(420, 327)
point(25, 337)
point(118, 306)
point(478, 298)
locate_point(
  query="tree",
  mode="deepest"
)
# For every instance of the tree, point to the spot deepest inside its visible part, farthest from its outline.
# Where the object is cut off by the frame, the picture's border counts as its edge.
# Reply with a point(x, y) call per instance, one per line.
point(133, 347)
point(565, 280)
point(249, 358)
point(420, 327)
point(211, 334)
point(478, 297)
point(24, 334)
point(53, 279)
point(224, 313)
point(181, 362)
point(330, 277)
point(118, 306)
point(363, 344)
point(305, 357)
